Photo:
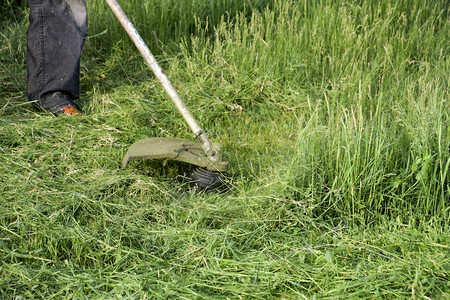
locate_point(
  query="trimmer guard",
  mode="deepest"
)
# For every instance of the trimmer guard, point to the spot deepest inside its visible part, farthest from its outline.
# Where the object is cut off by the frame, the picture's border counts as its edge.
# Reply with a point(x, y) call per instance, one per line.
point(170, 148)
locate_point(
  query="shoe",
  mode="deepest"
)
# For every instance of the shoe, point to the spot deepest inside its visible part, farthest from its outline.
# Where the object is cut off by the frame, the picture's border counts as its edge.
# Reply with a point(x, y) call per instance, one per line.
point(58, 103)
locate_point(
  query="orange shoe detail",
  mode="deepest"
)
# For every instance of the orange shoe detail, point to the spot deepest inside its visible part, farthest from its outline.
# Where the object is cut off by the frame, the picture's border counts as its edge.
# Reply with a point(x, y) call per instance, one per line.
point(70, 110)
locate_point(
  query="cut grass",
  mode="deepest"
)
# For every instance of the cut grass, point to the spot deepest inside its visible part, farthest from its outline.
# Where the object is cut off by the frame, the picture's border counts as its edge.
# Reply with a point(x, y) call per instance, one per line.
point(334, 117)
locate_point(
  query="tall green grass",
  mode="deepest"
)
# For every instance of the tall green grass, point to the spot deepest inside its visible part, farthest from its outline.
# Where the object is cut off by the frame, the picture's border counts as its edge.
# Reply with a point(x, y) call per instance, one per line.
point(335, 120)
point(373, 135)
point(166, 22)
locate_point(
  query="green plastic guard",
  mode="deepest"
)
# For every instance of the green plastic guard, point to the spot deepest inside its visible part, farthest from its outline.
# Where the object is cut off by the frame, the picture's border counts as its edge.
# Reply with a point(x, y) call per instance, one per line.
point(170, 148)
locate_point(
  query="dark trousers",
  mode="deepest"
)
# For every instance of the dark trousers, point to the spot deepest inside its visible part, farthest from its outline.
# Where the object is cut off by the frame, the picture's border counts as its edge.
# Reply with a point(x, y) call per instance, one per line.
point(55, 39)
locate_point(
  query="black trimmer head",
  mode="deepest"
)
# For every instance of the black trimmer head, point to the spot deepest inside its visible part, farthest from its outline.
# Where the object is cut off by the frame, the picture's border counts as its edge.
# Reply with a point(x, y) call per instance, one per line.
point(207, 180)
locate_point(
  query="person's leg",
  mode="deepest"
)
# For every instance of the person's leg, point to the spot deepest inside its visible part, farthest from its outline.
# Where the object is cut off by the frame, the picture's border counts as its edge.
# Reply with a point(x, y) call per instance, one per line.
point(55, 39)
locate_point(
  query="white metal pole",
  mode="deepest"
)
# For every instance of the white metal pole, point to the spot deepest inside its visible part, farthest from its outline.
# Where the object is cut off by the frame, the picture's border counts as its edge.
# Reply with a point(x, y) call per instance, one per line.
point(157, 70)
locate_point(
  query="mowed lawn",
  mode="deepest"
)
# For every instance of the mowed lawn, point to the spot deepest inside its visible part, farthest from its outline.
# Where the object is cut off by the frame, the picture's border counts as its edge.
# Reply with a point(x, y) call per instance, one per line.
point(334, 117)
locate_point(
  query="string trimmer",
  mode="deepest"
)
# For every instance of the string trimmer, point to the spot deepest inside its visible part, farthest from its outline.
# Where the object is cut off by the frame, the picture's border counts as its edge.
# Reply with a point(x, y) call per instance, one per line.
point(204, 153)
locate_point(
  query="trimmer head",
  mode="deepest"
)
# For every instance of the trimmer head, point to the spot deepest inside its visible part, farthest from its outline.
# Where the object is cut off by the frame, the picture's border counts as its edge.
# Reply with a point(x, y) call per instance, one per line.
point(207, 180)
point(176, 149)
